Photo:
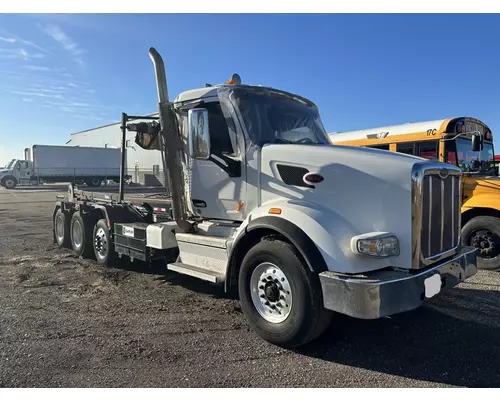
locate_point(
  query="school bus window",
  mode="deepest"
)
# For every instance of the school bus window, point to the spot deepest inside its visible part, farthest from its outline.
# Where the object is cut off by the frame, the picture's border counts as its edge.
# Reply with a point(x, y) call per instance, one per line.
point(407, 148)
point(428, 150)
point(380, 146)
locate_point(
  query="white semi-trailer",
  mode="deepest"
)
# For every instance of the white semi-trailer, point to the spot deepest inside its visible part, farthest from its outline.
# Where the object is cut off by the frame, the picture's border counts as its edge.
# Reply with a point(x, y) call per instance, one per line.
point(298, 228)
point(52, 164)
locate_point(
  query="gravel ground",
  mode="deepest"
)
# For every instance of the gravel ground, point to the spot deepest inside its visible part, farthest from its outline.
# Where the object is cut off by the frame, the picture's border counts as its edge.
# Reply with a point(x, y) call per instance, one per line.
point(66, 322)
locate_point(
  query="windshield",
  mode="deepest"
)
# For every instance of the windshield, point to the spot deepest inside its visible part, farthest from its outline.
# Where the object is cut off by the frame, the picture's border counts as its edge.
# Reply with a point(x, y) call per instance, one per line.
point(271, 117)
point(459, 152)
point(10, 165)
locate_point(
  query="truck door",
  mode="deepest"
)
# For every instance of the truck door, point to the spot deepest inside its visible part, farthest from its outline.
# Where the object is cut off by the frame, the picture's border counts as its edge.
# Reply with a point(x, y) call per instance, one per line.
point(23, 169)
point(216, 183)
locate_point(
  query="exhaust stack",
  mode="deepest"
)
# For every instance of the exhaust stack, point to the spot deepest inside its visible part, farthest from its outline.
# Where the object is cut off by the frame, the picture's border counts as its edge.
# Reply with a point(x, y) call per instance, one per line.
point(27, 154)
point(172, 146)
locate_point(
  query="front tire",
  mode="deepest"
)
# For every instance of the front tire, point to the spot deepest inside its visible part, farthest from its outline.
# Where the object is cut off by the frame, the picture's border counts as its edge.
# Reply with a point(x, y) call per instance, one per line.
point(483, 233)
point(104, 249)
point(280, 297)
point(9, 182)
point(81, 233)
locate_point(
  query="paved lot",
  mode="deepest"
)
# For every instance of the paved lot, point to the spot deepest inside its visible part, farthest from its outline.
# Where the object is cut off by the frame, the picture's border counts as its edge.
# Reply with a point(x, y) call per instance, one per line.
point(68, 322)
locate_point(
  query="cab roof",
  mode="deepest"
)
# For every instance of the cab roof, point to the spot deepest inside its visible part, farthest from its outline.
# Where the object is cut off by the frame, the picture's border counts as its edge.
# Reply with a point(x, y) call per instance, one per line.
point(211, 91)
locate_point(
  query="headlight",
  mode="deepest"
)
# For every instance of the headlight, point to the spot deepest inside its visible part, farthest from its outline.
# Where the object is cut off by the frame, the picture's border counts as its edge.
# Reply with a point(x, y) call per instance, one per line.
point(375, 244)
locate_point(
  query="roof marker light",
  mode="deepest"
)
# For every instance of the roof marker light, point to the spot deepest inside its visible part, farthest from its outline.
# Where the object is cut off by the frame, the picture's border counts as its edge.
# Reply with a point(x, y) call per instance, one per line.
point(235, 80)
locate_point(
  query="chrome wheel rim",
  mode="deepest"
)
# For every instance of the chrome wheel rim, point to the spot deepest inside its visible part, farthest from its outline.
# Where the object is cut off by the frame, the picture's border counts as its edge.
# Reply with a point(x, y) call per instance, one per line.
point(60, 228)
point(9, 183)
point(100, 243)
point(271, 292)
point(77, 234)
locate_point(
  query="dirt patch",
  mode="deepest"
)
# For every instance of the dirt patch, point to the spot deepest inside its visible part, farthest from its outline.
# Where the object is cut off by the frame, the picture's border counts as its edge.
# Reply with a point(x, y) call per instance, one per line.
point(67, 322)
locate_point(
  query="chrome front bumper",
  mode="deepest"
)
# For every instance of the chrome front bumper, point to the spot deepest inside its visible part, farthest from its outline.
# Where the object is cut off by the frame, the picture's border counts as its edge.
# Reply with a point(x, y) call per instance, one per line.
point(380, 293)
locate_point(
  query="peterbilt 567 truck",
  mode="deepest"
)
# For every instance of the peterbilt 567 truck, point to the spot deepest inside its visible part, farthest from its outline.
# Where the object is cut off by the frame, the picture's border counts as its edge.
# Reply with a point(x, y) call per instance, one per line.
point(262, 203)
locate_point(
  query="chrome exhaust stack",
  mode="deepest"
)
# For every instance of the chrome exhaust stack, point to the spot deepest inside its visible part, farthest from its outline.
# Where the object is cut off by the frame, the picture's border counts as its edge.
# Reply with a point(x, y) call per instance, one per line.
point(172, 147)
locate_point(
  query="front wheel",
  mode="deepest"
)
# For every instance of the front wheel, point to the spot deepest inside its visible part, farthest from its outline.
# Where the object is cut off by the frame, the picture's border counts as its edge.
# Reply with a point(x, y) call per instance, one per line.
point(280, 297)
point(9, 182)
point(483, 233)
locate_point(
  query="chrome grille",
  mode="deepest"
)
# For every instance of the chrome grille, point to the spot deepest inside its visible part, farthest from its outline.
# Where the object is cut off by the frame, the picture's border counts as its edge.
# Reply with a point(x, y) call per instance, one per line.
point(436, 212)
point(440, 200)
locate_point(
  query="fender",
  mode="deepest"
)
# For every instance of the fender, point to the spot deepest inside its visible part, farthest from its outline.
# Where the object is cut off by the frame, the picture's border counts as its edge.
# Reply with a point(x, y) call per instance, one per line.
point(289, 230)
point(296, 236)
point(486, 200)
point(314, 229)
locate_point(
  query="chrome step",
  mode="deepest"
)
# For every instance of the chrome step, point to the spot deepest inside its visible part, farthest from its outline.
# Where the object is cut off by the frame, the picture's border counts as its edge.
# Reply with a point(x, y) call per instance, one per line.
point(196, 272)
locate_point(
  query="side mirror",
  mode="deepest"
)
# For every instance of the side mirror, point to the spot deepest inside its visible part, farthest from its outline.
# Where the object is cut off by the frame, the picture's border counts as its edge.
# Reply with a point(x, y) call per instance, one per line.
point(477, 142)
point(198, 134)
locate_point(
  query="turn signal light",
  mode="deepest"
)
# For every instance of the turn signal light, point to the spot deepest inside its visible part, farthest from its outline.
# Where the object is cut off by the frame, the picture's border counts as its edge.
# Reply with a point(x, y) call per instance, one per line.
point(275, 211)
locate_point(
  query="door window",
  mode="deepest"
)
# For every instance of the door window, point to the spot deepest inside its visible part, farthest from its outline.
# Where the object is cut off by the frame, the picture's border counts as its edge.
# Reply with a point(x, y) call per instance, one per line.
point(220, 142)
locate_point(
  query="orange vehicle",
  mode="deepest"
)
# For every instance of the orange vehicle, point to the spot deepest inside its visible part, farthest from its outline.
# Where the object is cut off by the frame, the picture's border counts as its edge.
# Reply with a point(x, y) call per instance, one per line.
point(465, 142)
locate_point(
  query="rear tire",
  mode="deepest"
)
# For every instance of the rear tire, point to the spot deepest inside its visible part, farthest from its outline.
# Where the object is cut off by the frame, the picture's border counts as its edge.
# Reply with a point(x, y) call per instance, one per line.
point(102, 243)
point(272, 272)
point(81, 234)
point(483, 233)
point(61, 229)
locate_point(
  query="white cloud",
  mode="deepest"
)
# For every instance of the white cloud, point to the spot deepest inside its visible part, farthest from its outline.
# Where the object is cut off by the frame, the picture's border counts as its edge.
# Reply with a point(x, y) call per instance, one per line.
point(19, 54)
point(42, 90)
point(67, 43)
point(10, 38)
point(5, 71)
point(36, 94)
point(27, 100)
point(36, 67)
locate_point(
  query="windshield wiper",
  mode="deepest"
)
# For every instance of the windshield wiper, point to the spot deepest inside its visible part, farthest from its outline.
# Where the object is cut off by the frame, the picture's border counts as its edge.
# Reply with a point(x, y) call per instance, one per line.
point(279, 140)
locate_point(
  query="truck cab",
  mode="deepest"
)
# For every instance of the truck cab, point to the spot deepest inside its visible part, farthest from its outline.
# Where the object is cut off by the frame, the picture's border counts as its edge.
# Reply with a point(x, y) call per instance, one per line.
point(16, 172)
point(297, 228)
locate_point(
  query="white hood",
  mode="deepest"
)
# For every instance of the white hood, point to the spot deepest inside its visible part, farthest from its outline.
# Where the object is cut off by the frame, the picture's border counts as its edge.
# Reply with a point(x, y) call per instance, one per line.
point(364, 190)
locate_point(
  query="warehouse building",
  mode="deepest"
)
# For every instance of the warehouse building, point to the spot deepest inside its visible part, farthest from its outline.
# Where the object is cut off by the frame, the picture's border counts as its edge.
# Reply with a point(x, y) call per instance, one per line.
point(145, 166)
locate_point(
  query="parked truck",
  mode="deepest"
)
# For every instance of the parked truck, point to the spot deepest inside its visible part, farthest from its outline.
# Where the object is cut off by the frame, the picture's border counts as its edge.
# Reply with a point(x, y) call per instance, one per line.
point(52, 164)
point(298, 229)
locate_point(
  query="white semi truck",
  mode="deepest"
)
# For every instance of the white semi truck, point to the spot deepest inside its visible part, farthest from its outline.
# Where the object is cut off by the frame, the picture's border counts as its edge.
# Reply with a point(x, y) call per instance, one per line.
point(52, 164)
point(297, 228)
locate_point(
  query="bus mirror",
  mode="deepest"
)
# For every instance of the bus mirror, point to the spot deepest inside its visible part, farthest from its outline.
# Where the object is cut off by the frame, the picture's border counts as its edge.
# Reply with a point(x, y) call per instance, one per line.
point(477, 142)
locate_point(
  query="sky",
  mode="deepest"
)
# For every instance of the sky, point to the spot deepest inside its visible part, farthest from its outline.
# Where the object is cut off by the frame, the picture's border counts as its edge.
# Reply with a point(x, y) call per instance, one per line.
point(62, 73)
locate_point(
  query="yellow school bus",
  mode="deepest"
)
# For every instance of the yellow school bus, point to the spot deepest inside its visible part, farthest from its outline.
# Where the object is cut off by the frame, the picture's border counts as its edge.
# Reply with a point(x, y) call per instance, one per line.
point(462, 141)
